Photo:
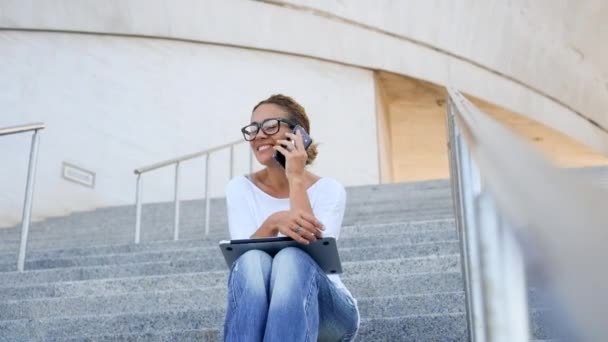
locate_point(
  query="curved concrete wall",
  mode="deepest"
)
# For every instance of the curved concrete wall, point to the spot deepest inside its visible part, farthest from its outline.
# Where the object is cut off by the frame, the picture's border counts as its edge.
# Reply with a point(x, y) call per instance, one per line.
point(132, 60)
point(113, 104)
point(550, 46)
point(509, 53)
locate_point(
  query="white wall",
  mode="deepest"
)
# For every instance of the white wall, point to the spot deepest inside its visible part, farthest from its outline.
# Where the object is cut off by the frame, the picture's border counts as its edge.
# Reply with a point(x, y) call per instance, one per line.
point(113, 104)
point(538, 58)
point(549, 45)
point(511, 53)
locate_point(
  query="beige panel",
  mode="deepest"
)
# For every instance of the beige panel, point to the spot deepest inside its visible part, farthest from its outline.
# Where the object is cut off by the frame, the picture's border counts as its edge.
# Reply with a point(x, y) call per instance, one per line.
point(554, 144)
point(417, 126)
point(385, 158)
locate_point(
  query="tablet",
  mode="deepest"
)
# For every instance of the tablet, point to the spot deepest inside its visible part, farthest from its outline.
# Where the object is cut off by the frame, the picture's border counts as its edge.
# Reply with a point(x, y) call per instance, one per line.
point(324, 251)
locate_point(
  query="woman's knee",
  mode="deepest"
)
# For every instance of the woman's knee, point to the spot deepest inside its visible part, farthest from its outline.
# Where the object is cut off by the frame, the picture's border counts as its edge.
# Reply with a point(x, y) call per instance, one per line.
point(290, 266)
point(290, 258)
point(255, 266)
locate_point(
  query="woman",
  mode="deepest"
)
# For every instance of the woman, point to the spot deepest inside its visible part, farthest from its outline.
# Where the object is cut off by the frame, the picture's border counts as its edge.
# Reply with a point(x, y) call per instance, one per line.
point(288, 297)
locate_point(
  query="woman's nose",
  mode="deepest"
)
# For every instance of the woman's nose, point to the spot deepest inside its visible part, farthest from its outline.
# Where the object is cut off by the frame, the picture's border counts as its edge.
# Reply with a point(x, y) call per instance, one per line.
point(261, 135)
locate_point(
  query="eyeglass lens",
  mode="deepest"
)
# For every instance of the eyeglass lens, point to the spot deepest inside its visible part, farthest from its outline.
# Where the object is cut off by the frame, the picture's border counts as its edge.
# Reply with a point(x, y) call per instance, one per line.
point(270, 126)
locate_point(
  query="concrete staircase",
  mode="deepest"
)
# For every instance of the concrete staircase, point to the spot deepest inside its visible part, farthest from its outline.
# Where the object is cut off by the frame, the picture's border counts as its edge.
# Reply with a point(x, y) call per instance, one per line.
point(86, 281)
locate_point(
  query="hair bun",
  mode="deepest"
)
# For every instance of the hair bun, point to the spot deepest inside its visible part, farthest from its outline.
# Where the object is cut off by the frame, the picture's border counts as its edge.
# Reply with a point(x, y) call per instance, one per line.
point(312, 152)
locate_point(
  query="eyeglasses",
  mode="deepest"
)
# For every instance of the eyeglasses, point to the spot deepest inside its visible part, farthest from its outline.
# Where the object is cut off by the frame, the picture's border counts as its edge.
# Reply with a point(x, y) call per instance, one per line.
point(268, 126)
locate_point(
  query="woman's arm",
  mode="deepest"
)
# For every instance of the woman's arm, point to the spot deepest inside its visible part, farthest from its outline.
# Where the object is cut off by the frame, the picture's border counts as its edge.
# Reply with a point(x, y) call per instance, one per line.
point(241, 217)
point(270, 227)
point(299, 222)
point(299, 202)
point(286, 222)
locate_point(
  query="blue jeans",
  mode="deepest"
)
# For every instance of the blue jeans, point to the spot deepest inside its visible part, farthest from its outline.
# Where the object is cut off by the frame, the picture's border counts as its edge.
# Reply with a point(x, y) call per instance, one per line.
point(286, 298)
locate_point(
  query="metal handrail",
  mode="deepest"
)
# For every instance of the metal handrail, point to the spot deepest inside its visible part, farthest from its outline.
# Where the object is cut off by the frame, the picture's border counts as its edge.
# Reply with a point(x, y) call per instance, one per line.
point(29, 187)
point(492, 264)
point(177, 162)
point(22, 128)
point(506, 192)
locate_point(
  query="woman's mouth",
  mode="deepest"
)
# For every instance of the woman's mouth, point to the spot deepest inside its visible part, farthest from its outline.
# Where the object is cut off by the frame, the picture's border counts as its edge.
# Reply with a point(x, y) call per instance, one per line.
point(264, 147)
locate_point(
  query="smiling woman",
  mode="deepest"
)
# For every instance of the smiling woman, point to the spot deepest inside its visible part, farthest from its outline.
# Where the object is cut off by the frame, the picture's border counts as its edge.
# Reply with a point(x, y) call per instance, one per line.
point(283, 298)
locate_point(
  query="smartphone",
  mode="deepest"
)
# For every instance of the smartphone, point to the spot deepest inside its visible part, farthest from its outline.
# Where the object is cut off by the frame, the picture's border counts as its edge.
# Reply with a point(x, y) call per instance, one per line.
point(280, 158)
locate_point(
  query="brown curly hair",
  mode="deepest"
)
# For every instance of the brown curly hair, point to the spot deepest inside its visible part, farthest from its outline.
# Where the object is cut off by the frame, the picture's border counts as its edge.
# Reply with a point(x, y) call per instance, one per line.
point(295, 112)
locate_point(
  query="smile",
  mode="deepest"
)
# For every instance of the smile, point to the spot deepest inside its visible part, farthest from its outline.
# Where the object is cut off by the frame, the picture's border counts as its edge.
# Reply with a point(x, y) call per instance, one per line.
point(263, 147)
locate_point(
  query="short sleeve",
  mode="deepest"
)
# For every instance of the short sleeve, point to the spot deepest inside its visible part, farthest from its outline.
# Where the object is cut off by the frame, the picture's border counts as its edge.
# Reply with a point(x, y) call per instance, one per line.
point(329, 206)
point(241, 221)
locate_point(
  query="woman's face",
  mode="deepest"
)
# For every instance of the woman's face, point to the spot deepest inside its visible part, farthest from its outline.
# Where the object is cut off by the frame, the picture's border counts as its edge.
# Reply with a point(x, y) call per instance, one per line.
point(263, 143)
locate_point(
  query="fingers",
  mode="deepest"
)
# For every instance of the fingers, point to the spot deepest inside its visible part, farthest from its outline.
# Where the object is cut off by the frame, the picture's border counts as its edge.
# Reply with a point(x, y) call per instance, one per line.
point(282, 150)
point(305, 224)
point(289, 145)
point(302, 227)
point(308, 231)
point(313, 220)
point(297, 237)
point(297, 139)
point(313, 225)
point(306, 234)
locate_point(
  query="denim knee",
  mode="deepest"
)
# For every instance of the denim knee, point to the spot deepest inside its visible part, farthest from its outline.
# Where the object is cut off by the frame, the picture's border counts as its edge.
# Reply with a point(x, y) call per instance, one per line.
point(290, 258)
point(289, 267)
point(248, 297)
point(252, 269)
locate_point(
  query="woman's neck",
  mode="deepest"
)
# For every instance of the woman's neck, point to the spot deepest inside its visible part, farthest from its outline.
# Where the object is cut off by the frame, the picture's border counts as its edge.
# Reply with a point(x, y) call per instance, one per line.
point(274, 178)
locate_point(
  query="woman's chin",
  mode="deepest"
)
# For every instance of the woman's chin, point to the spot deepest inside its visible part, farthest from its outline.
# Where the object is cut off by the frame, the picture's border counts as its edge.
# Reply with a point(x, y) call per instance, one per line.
point(265, 159)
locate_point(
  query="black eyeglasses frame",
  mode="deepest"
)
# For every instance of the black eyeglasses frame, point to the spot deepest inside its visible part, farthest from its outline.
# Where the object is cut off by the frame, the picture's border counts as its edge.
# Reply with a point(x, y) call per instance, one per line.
point(260, 126)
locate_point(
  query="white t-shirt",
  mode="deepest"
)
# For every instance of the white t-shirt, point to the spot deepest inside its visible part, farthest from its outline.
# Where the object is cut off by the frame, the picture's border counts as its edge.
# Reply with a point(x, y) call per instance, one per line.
point(249, 206)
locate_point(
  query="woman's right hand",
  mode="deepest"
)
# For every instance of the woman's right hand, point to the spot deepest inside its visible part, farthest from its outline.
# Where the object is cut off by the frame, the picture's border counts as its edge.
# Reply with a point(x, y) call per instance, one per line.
point(299, 225)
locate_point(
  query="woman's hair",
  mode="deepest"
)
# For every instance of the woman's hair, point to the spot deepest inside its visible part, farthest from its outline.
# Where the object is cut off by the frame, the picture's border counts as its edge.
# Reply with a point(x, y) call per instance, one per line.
point(296, 113)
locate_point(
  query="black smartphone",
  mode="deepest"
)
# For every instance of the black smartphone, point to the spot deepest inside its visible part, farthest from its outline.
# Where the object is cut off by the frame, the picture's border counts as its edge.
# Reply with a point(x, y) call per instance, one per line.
point(280, 158)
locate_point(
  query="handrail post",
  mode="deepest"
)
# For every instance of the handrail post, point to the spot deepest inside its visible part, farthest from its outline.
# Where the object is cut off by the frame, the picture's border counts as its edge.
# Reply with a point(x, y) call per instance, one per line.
point(177, 161)
point(250, 161)
point(517, 312)
point(464, 182)
point(470, 190)
point(207, 199)
point(138, 200)
point(176, 204)
point(28, 202)
point(506, 306)
point(231, 161)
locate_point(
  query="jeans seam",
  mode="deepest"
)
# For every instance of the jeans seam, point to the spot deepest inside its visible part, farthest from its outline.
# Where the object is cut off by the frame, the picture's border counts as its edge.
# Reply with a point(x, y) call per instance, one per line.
point(349, 336)
point(232, 295)
point(310, 286)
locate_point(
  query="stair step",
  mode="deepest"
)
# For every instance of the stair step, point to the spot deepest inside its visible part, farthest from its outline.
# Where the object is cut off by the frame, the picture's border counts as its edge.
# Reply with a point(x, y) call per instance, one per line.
point(419, 327)
point(448, 263)
point(346, 254)
point(202, 335)
point(154, 229)
point(151, 326)
point(360, 286)
point(204, 299)
point(373, 239)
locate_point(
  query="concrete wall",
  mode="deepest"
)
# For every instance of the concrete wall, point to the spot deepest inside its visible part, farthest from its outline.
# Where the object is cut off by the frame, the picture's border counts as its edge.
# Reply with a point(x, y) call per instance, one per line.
point(132, 60)
point(532, 57)
point(550, 47)
point(116, 103)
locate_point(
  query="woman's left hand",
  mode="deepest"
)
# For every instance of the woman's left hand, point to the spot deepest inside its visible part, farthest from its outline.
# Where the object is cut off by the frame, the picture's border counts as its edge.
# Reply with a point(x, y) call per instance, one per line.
point(295, 154)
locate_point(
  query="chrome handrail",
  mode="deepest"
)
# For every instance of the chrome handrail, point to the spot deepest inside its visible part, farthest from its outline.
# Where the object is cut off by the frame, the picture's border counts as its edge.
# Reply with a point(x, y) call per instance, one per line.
point(506, 192)
point(177, 162)
point(492, 261)
point(29, 187)
point(22, 128)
